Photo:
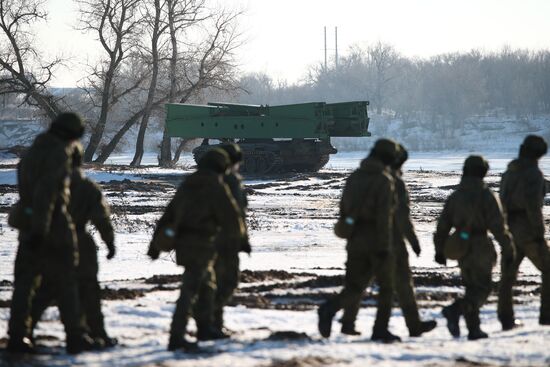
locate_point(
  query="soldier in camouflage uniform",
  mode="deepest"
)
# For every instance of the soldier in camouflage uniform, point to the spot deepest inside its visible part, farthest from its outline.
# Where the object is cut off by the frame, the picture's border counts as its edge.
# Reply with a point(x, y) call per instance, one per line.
point(522, 191)
point(403, 228)
point(472, 210)
point(226, 266)
point(368, 201)
point(202, 207)
point(47, 247)
point(87, 204)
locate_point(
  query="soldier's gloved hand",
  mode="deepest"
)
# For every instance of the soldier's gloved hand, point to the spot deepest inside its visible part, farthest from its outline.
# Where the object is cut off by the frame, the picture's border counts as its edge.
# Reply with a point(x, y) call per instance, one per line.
point(36, 240)
point(111, 251)
point(415, 246)
point(245, 246)
point(440, 258)
point(153, 253)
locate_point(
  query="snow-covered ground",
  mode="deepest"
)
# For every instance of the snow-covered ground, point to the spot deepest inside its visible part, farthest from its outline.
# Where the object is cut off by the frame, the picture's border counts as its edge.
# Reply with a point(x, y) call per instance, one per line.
point(291, 221)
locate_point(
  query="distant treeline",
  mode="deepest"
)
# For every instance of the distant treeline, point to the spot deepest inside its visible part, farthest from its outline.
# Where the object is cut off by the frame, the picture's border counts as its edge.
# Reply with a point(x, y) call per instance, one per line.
point(448, 87)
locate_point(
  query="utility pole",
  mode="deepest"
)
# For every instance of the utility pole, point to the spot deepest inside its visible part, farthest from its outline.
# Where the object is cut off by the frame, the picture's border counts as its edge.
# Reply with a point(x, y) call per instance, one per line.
point(325, 48)
point(336, 46)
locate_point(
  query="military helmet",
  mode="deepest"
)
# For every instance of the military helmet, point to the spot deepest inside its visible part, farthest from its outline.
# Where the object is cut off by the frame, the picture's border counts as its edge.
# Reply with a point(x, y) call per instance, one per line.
point(78, 153)
point(386, 150)
point(533, 146)
point(234, 152)
point(68, 125)
point(402, 156)
point(475, 165)
point(215, 159)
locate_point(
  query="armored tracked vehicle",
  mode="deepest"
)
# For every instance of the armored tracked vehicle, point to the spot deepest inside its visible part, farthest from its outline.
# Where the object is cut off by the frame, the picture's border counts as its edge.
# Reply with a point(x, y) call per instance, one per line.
point(273, 139)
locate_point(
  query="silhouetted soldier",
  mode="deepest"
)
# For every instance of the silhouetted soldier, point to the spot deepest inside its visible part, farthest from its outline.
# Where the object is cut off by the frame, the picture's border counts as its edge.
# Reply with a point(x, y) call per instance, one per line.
point(202, 207)
point(472, 210)
point(87, 204)
point(47, 239)
point(210, 324)
point(403, 228)
point(368, 203)
point(522, 191)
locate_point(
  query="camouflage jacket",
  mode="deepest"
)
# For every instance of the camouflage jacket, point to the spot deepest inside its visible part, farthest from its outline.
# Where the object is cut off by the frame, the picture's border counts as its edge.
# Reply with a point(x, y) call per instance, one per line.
point(403, 226)
point(522, 191)
point(369, 198)
point(202, 207)
point(473, 206)
point(235, 183)
point(87, 204)
point(43, 180)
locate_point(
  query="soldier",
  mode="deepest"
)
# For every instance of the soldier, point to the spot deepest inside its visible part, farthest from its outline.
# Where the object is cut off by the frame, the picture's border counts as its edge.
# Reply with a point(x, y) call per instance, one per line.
point(202, 207)
point(472, 210)
point(86, 205)
point(367, 203)
point(47, 239)
point(226, 267)
point(403, 229)
point(522, 191)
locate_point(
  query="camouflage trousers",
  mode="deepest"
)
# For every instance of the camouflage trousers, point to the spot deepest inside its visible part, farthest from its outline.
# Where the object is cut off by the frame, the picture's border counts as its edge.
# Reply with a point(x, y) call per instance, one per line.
point(226, 269)
point(51, 264)
point(403, 287)
point(539, 254)
point(476, 271)
point(198, 281)
point(89, 291)
point(361, 268)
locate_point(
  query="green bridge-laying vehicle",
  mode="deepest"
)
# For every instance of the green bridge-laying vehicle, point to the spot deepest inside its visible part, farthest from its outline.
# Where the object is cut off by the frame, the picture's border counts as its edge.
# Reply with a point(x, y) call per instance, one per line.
point(273, 139)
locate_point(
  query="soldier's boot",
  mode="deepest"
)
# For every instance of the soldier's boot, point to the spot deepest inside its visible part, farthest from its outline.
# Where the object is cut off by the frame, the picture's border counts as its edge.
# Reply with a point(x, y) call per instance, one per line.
point(180, 343)
point(452, 314)
point(218, 323)
point(80, 343)
point(210, 333)
point(384, 335)
point(472, 322)
point(348, 328)
point(424, 327)
point(509, 324)
point(326, 313)
point(20, 345)
point(105, 340)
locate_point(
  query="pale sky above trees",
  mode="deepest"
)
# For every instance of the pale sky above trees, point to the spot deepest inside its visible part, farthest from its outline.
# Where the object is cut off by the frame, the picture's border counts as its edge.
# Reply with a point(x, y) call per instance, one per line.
point(284, 37)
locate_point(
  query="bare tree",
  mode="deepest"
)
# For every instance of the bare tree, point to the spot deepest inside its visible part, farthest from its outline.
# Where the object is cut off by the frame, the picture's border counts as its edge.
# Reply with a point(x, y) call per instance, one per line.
point(152, 15)
point(115, 24)
point(26, 72)
point(208, 64)
point(382, 59)
point(180, 16)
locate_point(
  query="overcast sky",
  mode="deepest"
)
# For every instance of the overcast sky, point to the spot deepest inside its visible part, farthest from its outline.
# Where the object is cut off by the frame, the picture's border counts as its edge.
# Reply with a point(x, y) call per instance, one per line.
point(284, 37)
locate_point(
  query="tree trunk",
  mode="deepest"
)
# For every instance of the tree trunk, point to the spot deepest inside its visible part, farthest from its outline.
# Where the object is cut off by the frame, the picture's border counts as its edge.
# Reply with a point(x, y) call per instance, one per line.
point(109, 148)
point(166, 145)
point(99, 129)
point(138, 156)
point(165, 159)
point(178, 152)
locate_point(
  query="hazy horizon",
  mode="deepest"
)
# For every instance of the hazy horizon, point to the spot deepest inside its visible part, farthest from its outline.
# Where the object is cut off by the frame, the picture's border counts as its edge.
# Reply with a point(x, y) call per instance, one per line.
point(284, 37)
